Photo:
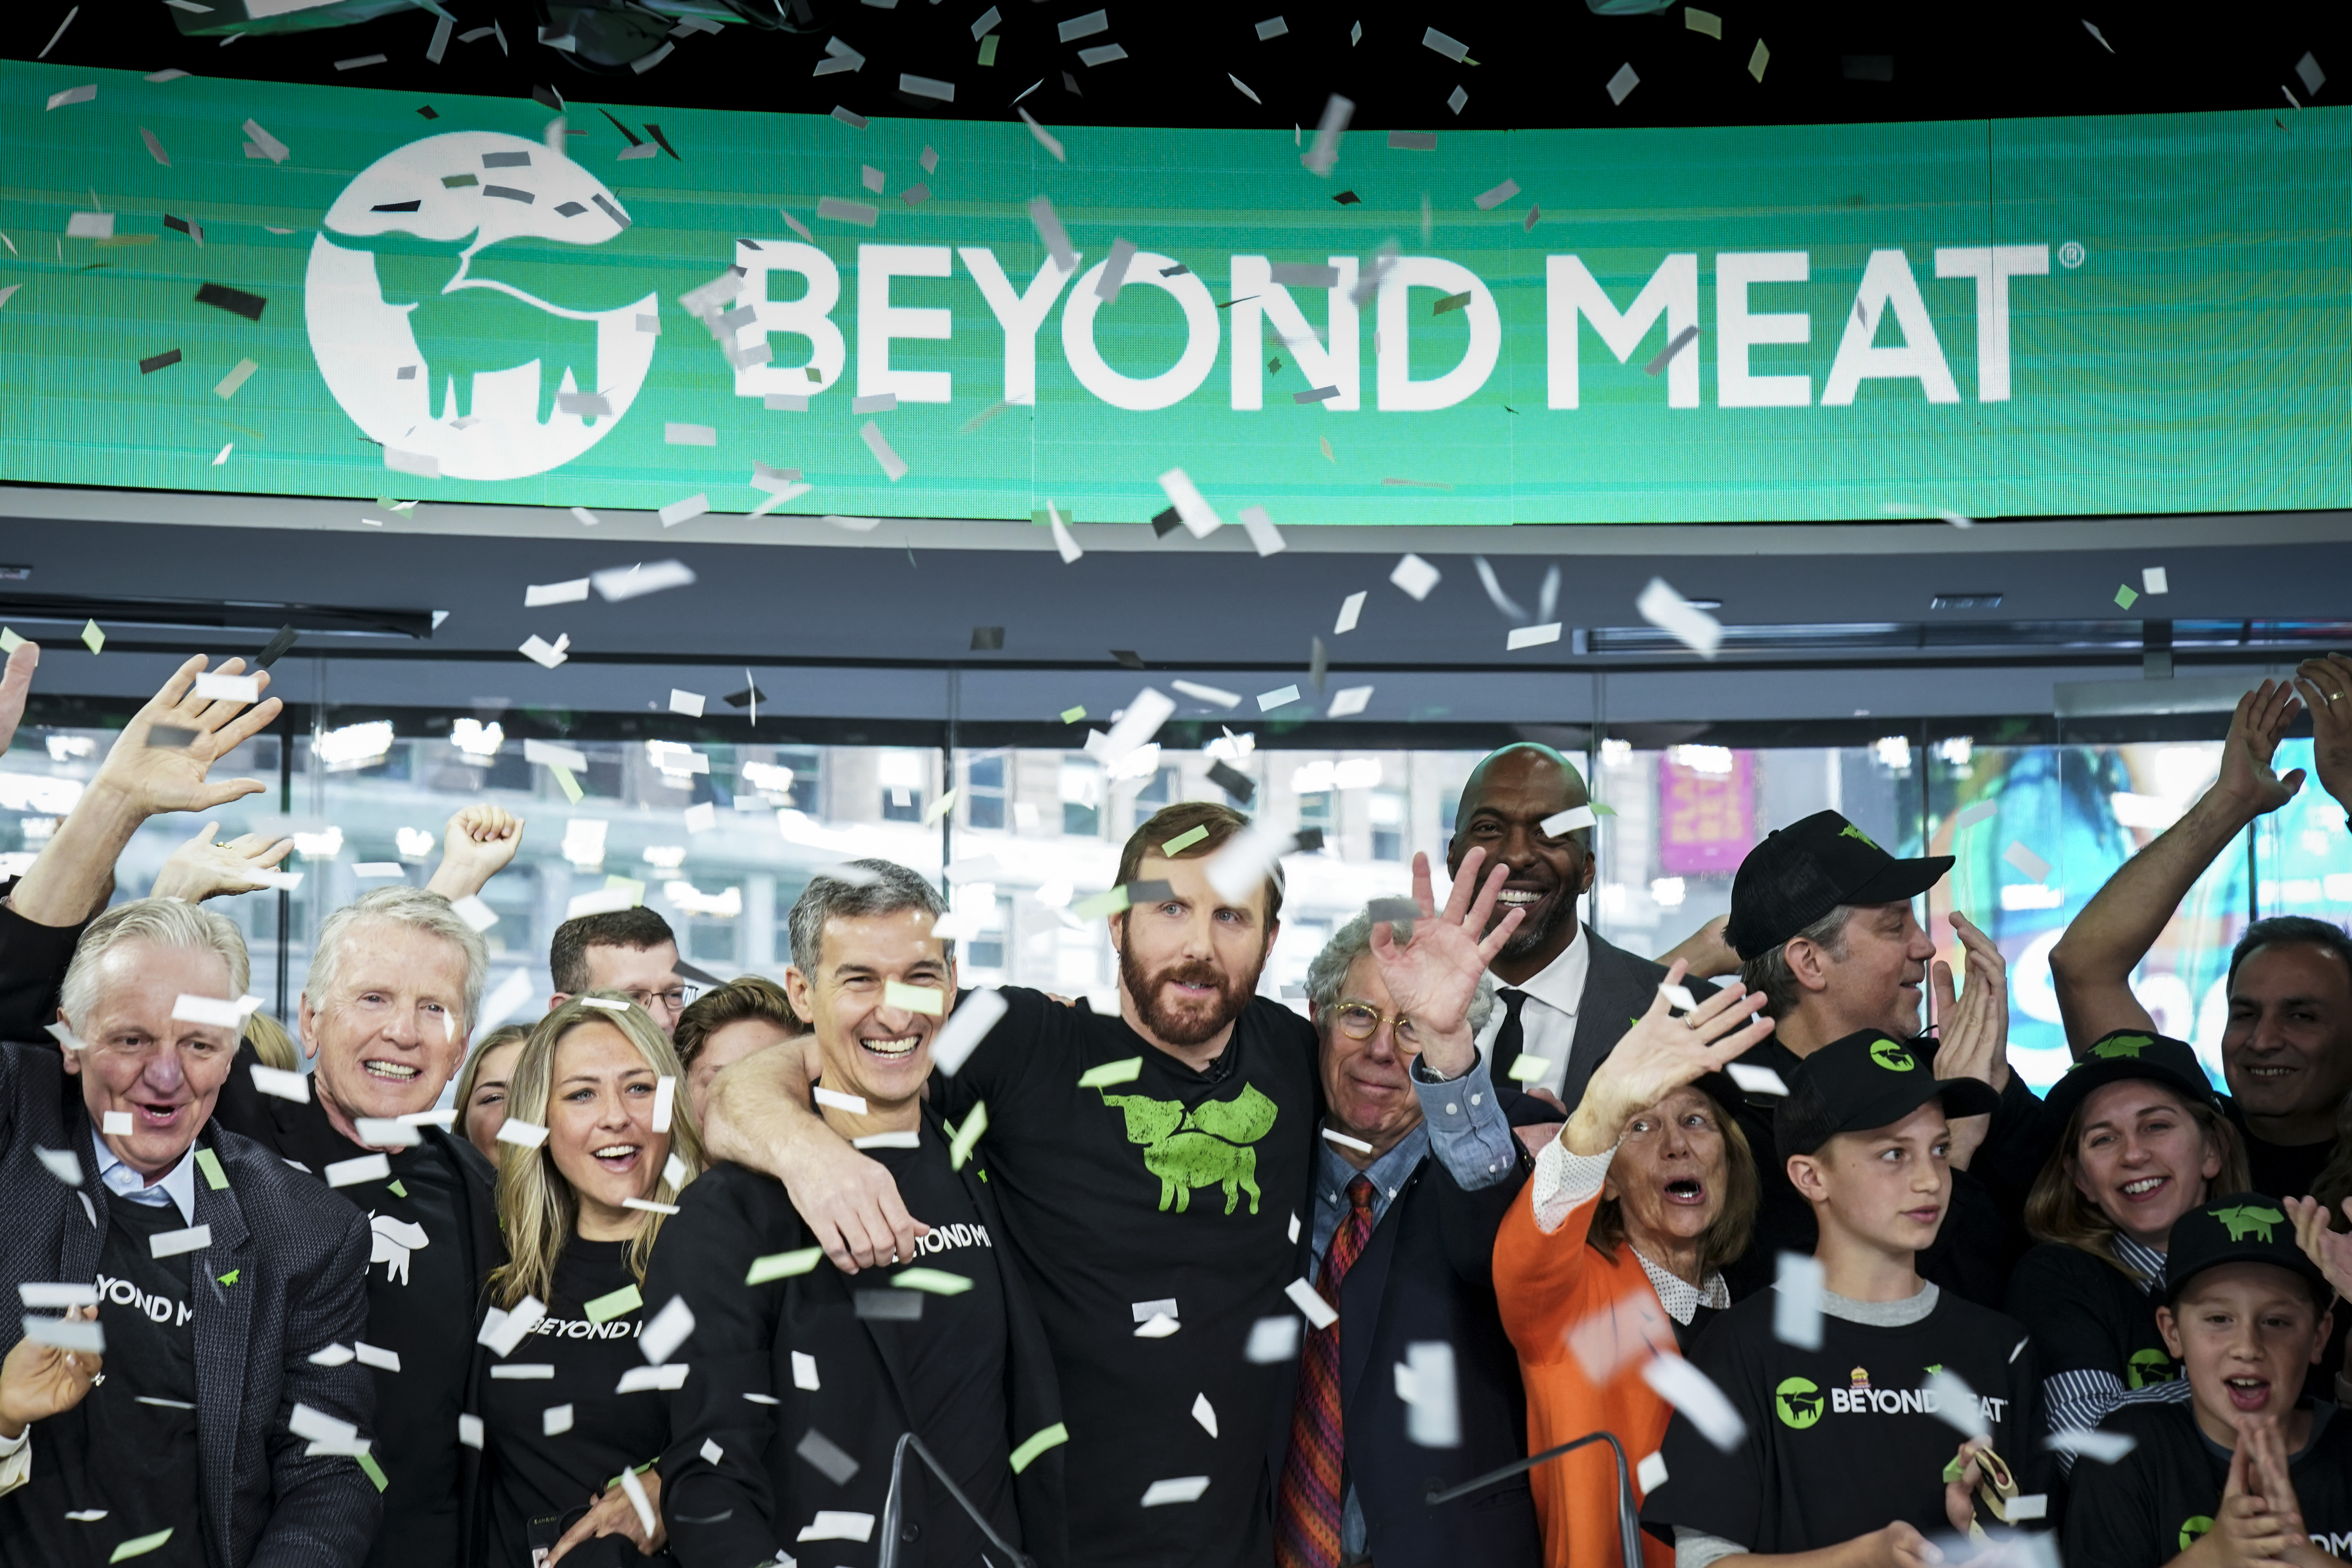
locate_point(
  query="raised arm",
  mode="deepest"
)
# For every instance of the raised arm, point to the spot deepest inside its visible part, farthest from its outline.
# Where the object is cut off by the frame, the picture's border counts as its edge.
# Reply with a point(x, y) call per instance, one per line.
point(201, 869)
point(74, 873)
point(760, 1117)
point(481, 840)
point(2091, 967)
point(2326, 683)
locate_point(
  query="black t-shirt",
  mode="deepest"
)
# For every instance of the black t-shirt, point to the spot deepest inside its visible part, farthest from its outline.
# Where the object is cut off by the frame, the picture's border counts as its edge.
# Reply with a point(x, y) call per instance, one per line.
point(954, 1357)
point(2282, 1170)
point(1840, 1440)
point(2152, 1504)
point(421, 1306)
point(130, 1447)
point(2087, 1316)
point(1178, 1185)
point(536, 1476)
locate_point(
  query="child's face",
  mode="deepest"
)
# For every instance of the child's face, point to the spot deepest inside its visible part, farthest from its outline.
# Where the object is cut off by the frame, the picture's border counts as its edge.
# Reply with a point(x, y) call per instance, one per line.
point(1889, 1186)
point(2246, 1333)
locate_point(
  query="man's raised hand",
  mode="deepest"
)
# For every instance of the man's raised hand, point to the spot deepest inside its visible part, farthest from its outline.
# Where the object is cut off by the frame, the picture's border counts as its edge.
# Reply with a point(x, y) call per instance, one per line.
point(1972, 1026)
point(481, 840)
point(201, 869)
point(2255, 730)
point(1433, 981)
point(150, 774)
point(2326, 683)
point(16, 686)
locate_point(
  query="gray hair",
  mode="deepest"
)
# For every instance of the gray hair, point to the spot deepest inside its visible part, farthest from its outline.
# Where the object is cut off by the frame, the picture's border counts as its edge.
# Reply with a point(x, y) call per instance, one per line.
point(852, 891)
point(1769, 971)
point(166, 922)
point(1326, 978)
point(414, 907)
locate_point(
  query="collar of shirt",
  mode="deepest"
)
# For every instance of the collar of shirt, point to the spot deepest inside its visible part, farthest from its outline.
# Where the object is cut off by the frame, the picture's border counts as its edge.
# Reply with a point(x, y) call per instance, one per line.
point(1681, 1299)
point(2146, 1260)
point(1387, 1174)
point(1558, 985)
point(177, 1186)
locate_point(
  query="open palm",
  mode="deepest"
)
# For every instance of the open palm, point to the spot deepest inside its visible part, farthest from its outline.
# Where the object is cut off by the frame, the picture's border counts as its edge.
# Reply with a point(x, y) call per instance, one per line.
point(1434, 980)
point(160, 772)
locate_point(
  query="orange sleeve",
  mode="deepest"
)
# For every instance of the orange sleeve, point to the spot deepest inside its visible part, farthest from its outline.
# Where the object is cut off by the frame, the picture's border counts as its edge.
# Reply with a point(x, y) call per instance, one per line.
point(1541, 1281)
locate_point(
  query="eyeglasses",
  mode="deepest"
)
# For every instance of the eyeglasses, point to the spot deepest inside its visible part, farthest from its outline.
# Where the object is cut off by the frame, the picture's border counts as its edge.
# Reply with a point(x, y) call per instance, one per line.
point(675, 999)
point(1361, 1021)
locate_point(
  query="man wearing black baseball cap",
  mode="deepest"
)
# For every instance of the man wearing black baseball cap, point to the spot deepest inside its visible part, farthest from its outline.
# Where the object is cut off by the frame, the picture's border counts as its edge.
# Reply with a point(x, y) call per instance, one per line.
point(2249, 1468)
point(1821, 919)
point(1850, 1441)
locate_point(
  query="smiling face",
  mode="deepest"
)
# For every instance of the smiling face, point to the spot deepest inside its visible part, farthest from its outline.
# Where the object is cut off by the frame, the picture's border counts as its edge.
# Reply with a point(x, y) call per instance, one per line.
point(1874, 980)
point(2246, 1334)
point(600, 1121)
point(1670, 1177)
point(2287, 1049)
point(2142, 1158)
point(647, 975)
point(726, 1046)
point(162, 1072)
point(872, 1049)
point(485, 1111)
point(1191, 961)
point(1886, 1188)
point(393, 1033)
point(1503, 805)
point(1364, 1081)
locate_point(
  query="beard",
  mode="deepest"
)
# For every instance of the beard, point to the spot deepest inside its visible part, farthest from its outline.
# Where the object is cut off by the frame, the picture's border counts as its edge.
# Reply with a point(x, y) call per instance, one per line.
point(1187, 1025)
point(1532, 935)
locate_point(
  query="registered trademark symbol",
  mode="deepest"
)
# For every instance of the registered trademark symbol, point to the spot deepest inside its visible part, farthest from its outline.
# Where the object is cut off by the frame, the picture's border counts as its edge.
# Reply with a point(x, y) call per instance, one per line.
point(2070, 255)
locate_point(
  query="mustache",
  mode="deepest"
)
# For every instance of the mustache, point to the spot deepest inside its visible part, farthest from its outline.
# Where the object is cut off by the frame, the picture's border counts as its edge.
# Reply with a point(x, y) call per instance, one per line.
point(1197, 972)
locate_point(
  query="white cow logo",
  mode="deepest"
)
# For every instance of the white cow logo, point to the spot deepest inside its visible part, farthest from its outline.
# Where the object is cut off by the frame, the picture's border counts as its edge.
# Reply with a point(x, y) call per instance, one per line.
point(459, 364)
point(395, 1240)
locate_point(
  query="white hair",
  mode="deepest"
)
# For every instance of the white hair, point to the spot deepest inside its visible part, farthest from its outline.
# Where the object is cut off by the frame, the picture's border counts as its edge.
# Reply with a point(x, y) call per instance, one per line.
point(166, 922)
point(1326, 976)
point(414, 907)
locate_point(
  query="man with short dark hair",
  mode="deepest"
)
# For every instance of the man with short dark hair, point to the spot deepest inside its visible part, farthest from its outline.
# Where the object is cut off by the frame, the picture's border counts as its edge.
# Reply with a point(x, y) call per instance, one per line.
point(1152, 1169)
point(2286, 1051)
point(723, 1025)
point(632, 952)
point(1567, 995)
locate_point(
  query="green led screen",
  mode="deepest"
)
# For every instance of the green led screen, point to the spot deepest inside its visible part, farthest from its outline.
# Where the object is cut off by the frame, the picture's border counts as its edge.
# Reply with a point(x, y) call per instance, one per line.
point(2036, 318)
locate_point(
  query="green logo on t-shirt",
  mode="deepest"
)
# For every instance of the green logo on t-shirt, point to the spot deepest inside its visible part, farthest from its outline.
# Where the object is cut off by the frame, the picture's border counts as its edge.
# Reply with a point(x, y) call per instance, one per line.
point(1206, 1146)
point(1799, 1401)
point(1851, 831)
point(1891, 1057)
point(2124, 1047)
point(2148, 1367)
point(2191, 1527)
point(2248, 1219)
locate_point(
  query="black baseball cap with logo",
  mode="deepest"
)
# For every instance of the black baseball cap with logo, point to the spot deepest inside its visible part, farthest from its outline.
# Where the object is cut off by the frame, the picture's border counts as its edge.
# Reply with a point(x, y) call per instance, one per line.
point(2131, 1054)
point(2244, 1228)
point(1806, 869)
point(1863, 1082)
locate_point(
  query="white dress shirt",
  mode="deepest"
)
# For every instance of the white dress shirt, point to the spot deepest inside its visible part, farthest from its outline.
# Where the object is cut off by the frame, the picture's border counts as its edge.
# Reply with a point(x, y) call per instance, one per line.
point(1548, 1015)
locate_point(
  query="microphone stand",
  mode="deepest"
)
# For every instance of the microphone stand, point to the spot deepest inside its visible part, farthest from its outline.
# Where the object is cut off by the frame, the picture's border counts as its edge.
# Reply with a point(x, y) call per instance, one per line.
point(1629, 1528)
point(894, 1507)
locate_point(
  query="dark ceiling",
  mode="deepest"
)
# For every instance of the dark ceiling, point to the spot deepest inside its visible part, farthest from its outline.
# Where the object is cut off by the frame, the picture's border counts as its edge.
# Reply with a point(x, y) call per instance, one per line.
point(1537, 65)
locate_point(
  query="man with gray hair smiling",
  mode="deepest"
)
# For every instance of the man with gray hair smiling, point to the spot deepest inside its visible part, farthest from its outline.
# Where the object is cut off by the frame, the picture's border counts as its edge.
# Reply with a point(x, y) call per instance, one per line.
point(394, 985)
point(189, 1408)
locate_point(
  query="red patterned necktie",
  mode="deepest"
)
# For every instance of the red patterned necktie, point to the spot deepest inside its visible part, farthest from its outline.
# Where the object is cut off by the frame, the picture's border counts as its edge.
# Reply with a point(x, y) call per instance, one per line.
point(1308, 1510)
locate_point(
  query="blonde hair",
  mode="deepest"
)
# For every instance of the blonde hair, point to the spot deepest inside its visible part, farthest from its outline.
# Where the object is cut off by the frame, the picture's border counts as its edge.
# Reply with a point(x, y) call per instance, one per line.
point(537, 1207)
point(496, 1039)
point(166, 922)
point(2056, 1209)
point(272, 1044)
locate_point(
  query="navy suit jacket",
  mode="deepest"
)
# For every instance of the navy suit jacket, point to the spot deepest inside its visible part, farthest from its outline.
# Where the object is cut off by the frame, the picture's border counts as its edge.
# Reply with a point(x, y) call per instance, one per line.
point(1427, 1273)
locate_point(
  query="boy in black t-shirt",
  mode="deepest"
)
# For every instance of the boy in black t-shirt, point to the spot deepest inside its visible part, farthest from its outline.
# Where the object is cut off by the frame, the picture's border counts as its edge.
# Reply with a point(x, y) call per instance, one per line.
point(1852, 1446)
point(2248, 1471)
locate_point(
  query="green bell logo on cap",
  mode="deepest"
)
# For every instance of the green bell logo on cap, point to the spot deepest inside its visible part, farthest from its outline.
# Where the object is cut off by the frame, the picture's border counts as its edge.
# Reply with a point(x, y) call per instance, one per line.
point(1851, 831)
point(1892, 1057)
point(2123, 1048)
point(2247, 1220)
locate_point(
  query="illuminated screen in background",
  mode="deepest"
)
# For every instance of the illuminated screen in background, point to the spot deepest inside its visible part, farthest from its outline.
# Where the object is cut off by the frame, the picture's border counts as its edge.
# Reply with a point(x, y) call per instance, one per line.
point(2082, 316)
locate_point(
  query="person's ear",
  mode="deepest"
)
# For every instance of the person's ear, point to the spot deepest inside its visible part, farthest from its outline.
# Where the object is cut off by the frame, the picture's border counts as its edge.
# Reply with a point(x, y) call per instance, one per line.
point(2169, 1327)
point(1805, 1175)
point(1118, 933)
point(307, 1026)
point(2211, 1167)
point(2320, 1338)
point(1808, 962)
point(797, 991)
point(71, 1057)
point(1584, 884)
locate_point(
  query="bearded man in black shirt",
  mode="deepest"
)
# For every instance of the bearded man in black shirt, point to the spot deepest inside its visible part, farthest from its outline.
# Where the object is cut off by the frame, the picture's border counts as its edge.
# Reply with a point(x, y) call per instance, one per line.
point(1153, 1169)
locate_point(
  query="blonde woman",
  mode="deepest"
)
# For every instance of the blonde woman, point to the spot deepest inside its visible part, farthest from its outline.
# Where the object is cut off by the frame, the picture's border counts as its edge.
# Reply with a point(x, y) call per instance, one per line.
point(556, 1433)
point(482, 1087)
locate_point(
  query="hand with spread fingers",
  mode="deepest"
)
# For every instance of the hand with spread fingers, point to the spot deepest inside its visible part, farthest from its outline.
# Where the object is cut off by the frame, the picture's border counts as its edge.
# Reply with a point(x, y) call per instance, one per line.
point(612, 1513)
point(2324, 1245)
point(2255, 730)
point(1434, 979)
point(1659, 1055)
point(481, 841)
point(2326, 683)
point(201, 869)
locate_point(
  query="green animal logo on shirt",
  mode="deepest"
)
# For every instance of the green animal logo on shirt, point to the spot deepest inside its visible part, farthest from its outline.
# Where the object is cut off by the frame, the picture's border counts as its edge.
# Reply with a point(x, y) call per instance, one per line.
point(2248, 1219)
point(1892, 1057)
point(1851, 831)
point(1799, 1401)
point(2123, 1048)
point(1206, 1146)
point(2191, 1527)
point(2148, 1367)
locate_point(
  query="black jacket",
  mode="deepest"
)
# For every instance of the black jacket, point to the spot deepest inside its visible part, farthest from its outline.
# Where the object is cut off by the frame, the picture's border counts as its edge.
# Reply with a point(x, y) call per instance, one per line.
point(1619, 987)
point(754, 1500)
point(1427, 1274)
point(296, 1257)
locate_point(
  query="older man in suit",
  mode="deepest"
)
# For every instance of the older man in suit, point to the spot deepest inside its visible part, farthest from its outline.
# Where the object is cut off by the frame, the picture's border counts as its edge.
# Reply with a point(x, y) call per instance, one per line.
point(1417, 1169)
point(1567, 995)
point(227, 1427)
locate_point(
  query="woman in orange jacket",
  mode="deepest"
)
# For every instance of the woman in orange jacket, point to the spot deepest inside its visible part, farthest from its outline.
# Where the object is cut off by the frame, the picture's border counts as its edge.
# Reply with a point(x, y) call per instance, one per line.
point(1613, 1254)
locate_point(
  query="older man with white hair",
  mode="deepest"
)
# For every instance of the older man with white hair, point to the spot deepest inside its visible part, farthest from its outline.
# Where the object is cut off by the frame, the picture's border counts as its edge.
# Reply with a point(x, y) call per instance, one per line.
point(393, 987)
point(213, 1285)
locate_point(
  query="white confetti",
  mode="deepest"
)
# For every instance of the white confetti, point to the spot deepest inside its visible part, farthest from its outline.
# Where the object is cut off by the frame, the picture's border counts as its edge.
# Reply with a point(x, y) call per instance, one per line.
point(666, 1330)
point(1350, 608)
point(1415, 576)
point(1425, 1381)
point(2106, 1447)
point(1796, 1300)
point(1691, 1392)
point(1951, 1401)
point(1320, 1312)
point(1273, 1339)
point(2028, 865)
point(520, 1133)
point(1179, 1489)
point(1679, 619)
point(1756, 1080)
